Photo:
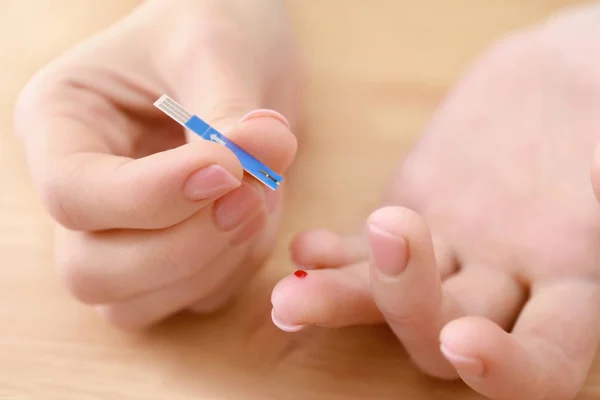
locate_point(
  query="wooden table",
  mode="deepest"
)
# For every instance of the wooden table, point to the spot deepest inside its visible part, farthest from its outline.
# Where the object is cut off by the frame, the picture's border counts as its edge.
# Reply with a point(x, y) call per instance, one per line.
point(376, 67)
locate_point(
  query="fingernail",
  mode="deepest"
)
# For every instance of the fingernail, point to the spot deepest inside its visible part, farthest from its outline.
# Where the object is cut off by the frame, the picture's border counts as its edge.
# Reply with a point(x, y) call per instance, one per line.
point(285, 327)
point(210, 182)
point(238, 206)
point(250, 229)
point(389, 253)
point(265, 113)
point(466, 366)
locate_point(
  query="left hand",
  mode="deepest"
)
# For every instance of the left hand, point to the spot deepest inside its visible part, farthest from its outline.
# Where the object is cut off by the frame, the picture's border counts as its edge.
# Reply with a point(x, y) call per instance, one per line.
point(495, 275)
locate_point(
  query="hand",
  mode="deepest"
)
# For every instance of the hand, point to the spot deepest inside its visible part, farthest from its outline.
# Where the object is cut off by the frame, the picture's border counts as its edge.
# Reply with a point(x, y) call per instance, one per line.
point(484, 258)
point(151, 221)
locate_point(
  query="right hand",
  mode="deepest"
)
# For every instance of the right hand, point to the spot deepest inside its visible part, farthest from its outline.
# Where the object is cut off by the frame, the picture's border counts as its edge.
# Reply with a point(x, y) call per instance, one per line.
point(152, 220)
point(483, 256)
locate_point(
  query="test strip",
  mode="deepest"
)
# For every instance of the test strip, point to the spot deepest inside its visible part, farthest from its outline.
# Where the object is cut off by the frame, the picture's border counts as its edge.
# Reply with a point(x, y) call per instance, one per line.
point(192, 122)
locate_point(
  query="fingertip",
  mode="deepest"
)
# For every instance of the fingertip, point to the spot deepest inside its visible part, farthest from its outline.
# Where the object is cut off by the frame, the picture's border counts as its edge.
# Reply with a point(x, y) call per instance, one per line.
point(461, 344)
point(266, 113)
point(294, 291)
point(288, 306)
point(485, 357)
point(176, 165)
point(398, 221)
point(165, 188)
point(325, 298)
point(267, 139)
point(471, 336)
point(284, 326)
point(398, 238)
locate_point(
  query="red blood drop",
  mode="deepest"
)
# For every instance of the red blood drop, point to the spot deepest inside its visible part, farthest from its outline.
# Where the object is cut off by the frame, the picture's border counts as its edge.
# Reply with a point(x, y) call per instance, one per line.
point(300, 274)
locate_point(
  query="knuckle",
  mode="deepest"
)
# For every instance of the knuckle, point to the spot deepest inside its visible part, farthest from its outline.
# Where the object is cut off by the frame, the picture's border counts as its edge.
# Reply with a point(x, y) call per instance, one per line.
point(27, 104)
point(52, 195)
point(404, 319)
point(406, 311)
point(34, 113)
point(40, 98)
point(225, 113)
point(72, 263)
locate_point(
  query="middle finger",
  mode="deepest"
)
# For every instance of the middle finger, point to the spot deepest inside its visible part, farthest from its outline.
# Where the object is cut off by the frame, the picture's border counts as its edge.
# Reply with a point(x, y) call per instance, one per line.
point(104, 267)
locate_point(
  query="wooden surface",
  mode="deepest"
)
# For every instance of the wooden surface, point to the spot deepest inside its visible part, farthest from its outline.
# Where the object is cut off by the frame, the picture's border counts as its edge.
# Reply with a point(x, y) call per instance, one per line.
point(376, 67)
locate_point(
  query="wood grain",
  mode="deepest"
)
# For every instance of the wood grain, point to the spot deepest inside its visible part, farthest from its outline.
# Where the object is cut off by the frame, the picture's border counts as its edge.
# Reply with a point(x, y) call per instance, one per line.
point(376, 70)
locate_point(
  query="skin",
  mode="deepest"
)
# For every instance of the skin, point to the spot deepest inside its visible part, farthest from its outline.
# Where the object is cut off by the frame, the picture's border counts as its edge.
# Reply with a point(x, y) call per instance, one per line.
point(483, 258)
point(140, 235)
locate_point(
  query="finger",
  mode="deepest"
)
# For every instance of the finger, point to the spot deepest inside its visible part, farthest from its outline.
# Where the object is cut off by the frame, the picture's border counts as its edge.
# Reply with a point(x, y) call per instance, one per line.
point(408, 290)
point(94, 190)
point(407, 287)
point(105, 267)
point(321, 248)
point(150, 307)
point(226, 292)
point(342, 297)
point(547, 356)
point(326, 297)
point(487, 292)
point(266, 136)
point(255, 257)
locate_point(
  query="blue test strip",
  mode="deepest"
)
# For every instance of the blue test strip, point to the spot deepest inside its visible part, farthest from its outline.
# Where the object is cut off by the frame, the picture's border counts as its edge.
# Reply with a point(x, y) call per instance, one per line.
point(250, 164)
point(254, 167)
